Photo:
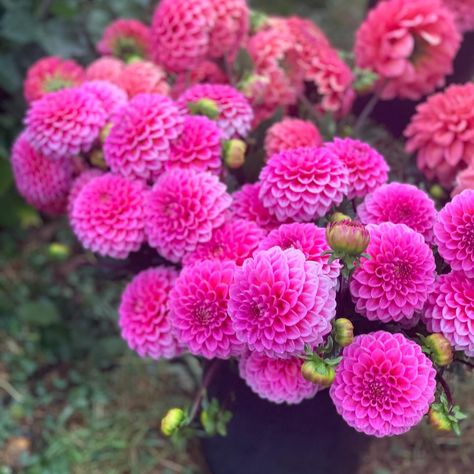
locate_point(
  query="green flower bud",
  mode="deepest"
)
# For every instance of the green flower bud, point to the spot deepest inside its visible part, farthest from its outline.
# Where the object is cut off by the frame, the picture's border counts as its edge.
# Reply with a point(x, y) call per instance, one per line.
point(58, 251)
point(437, 192)
point(347, 237)
point(172, 421)
point(343, 331)
point(234, 153)
point(104, 133)
point(441, 352)
point(338, 217)
point(318, 372)
point(438, 419)
point(206, 107)
point(97, 159)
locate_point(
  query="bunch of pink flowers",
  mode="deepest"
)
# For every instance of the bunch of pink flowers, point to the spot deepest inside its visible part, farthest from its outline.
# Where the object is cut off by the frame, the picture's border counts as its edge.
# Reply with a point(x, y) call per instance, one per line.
point(147, 146)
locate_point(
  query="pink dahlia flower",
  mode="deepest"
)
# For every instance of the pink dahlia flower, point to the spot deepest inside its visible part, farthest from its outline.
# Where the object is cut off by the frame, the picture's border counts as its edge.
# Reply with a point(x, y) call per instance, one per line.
point(183, 209)
point(303, 184)
point(199, 314)
point(394, 284)
point(308, 238)
point(43, 182)
point(464, 180)
point(51, 74)
point(125, 38)
point(400, 203)
point(109, 95)
point(454, 232)
point(410, 44)
point(105, 68)
point(279, 302)
point(139, 142)
point(108, 216)
point(199, 146)
point(143, 77)
point(367, 168)
point(145, 317)
point(450, 310)
point(79, 183)
point(384, 384)
point(291, 133)
point(65, 123)
point(442, 133)
point(463, 11)
point(235, 240)
point(276, 380)
point(235, 114)
point(247, 205)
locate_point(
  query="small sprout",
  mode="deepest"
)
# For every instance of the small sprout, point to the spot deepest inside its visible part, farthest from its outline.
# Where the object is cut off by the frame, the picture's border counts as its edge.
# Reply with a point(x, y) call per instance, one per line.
point(174, 419)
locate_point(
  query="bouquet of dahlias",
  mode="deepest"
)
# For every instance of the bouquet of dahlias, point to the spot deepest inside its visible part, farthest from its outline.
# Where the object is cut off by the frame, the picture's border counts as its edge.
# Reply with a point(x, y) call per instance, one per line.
point(328, 271)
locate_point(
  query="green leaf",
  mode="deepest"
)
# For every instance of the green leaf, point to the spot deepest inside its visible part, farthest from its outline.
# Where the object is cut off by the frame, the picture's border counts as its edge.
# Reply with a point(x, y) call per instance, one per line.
point(40, 313)
point(18, 25)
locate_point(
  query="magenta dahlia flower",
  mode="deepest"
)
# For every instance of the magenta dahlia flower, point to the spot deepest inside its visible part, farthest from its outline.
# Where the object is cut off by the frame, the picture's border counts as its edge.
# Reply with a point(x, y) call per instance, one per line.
point(441, 132)
point(145, 316)
point(384, 384)
point(367, 167)
point(198, 304)
point(303, 184)
point(394, 284)
point(139, 141)
point(454, 232)
point(108, 216)
point(400, 203)
point(279, 302)
point(109, 95)
point(79, 183)
point(143, 77)
point(183, 209)
point(276, 380)
point(43, 182)
point(410, 44)
point(105, 68)
point(450, 310)
point(65, 123)
point(291, 133)
point(235, 114)
point(463, 11)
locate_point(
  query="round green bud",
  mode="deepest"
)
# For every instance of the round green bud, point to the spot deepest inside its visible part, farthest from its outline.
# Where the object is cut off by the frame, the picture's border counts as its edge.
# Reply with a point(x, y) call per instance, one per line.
point(343, 331)
point(172, 421)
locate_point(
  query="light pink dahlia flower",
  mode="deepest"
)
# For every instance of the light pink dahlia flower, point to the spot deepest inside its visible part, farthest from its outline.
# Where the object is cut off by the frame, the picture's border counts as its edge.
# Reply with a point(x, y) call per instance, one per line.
point(109, 95)
point(463, 11)
point(464, 180)
point(105, 68)
point(143, 77)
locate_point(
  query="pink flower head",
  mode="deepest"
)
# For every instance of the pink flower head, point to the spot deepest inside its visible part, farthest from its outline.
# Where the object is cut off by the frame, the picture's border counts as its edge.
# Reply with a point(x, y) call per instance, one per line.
point(144, 314)
point(143, 77)
point(235, 114)
point(235, 240)
point(394, 284)
point(464, 180)
point(43, 182)
point(108, 216)
point(276, 380)
point(105, 68)
point(199, 146)
point(410, 44)
point(65, 123)
point(303, 184)
point(454, 232)
point(247, 205)
point(78, 184)
point(183, 209)
point(291, 133)
point(279, 302)
point(400, 203)
point(384, 384)
point(109, 95)
point(442, 133)
point(367, 168)
point(463, 11)
point(125, 38)
point(308, 238)
point(199, 314)
point(139, 142)
point(450, 310)
point(51, 74)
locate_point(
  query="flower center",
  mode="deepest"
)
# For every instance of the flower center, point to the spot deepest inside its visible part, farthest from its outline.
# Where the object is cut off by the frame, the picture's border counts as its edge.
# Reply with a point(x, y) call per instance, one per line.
point(402, 213)
point(468, 238)
point(376, 391)
point(402, 270)
point(203, 315)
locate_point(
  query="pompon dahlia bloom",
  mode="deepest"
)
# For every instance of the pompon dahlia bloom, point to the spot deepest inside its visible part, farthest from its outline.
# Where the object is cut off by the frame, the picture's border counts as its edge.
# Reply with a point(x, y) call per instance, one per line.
point(109, 95)
point(43, 182)
point(235, 114)
point(463, 11)
point(144, 314)
point(384, 384)
point(454, 232)
point(235, 240)
point(247, 205)
point(450, 310)
point(105, 69)
point(410, 44)
point(143, 77)
point(51, 74)
point(367, 167)
point(394, 284)
point(464, 180)
point(276, 380)
point(183, 209)
point(79, 183)
point(308, 238)
point(279, 302)
point(291, 133)
point(198, 303)
point(139, 142)
point(199, 146)
point(125, 38)
point(303, 184)
point(400, 203)
point(108, 216)
point(442, 133)
point(65, 123)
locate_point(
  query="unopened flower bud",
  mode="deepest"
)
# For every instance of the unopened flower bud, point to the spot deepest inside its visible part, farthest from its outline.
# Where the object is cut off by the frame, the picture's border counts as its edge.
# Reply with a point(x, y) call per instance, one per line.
point(234, 153)
point(97, 159)
point(254, 87)
point(104, 133)
point(318, 372)
point(440, 349)
point(338, 217)
point(347, 237)
point(439, 420)
point(206, 107)
point(343, 332)
point(437, 192)
point(365, 80)
point(58, 251)
point(172, 421)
